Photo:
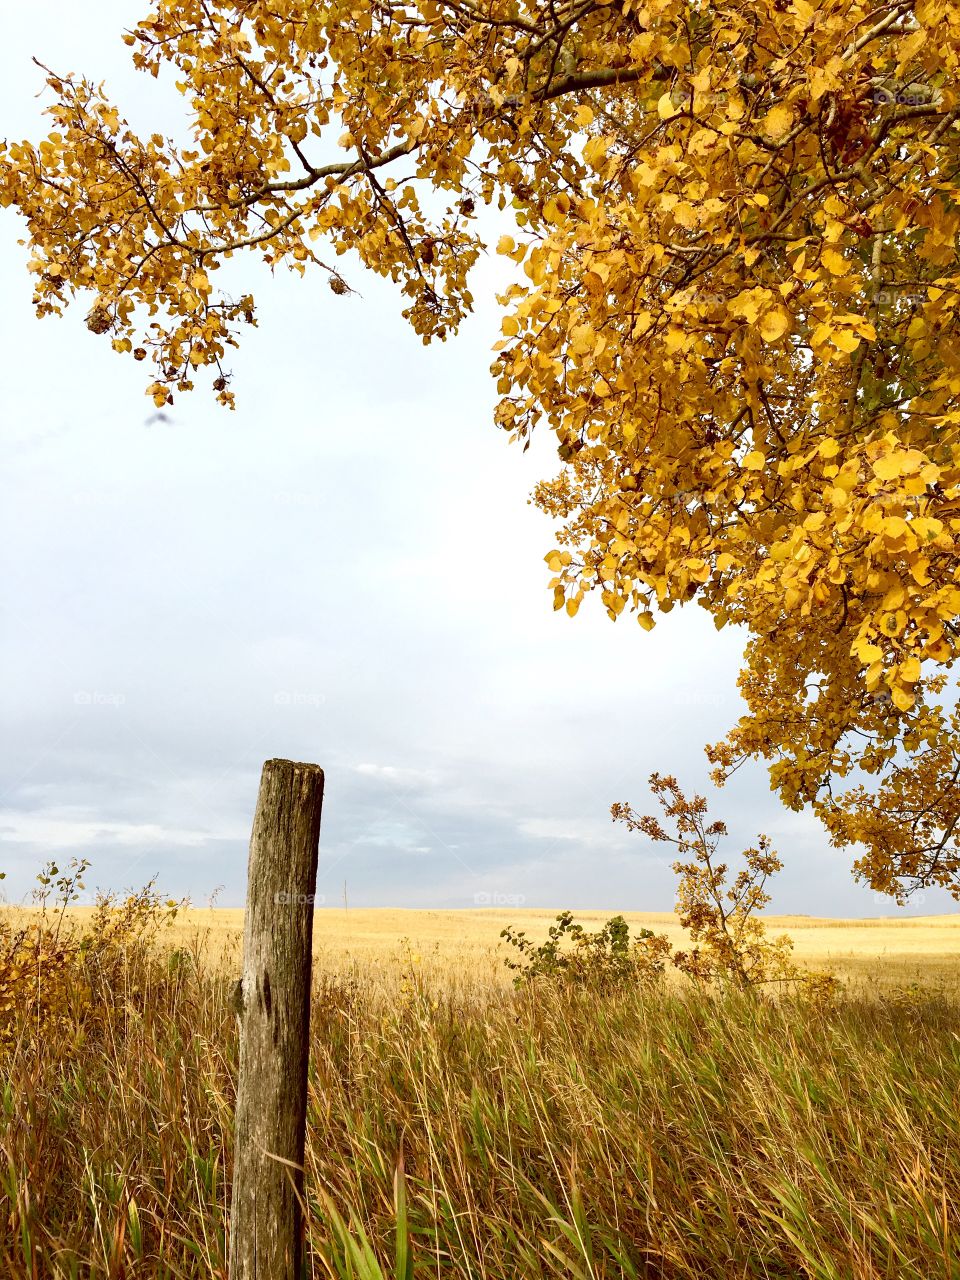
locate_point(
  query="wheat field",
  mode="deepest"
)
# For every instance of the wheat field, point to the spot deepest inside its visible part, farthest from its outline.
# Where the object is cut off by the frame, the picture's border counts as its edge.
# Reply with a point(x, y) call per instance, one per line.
point(463, 946)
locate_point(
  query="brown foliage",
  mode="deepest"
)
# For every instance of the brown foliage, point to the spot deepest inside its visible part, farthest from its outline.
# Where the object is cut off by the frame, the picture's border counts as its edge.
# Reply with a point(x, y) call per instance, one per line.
point(730, 942)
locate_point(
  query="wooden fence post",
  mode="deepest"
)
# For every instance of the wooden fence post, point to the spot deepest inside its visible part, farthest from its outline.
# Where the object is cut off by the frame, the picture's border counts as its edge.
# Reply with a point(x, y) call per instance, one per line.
point(273, 1002)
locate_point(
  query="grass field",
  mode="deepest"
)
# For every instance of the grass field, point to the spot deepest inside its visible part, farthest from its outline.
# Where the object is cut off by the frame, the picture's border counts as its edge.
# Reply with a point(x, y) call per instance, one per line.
point(671, 1133)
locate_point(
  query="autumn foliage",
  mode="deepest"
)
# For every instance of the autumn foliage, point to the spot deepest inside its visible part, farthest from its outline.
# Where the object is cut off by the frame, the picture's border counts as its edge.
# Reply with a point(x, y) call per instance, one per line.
point(735, 235)
point(59, 977)
point(730, 945)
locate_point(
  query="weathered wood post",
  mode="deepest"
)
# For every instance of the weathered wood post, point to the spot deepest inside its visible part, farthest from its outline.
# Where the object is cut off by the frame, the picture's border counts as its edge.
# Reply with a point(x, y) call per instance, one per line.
point(273, 1003)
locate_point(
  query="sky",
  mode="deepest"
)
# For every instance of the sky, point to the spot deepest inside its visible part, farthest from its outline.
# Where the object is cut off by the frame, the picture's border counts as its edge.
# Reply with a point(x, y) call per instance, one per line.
point(346, 570)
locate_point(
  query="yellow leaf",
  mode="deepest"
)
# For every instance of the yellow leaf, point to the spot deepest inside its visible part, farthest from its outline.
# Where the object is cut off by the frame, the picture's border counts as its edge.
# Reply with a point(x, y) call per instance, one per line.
point(903, 700)
point(754, 461)
point(867, 652)
point(685, 215)
point(909, 670)
point(596, 149)
point(894, 528)
point(582, 339)
point(920, 571)
point(835, 262)
point(888, 467)
point(845, 340)
point(775, 324)
point(746, 305)
point(698, 570)
point(926, 528)
point(778, 122)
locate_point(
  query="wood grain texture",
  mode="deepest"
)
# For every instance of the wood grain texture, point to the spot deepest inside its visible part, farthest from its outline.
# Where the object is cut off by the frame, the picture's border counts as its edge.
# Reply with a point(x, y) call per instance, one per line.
point(273, 1002)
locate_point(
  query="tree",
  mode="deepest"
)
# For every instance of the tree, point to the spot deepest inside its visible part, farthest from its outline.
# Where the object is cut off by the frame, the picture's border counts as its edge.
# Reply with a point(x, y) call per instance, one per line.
point(737, 226)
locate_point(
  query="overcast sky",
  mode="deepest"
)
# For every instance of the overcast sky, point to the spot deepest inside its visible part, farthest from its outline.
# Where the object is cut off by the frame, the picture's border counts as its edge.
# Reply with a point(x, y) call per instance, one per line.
point(347, 571)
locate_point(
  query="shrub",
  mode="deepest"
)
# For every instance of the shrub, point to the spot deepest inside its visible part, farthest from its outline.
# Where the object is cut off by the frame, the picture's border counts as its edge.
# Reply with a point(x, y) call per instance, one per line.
point(55, 974)
point(608, 959)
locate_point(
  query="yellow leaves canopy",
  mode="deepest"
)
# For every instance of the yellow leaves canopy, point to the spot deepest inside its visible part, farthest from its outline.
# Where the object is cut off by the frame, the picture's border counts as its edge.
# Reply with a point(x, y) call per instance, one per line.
point(735, 231)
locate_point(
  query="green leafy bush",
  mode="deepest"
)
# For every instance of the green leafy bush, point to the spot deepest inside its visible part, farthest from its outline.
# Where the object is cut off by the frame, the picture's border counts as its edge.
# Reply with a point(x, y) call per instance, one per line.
point(608, 959)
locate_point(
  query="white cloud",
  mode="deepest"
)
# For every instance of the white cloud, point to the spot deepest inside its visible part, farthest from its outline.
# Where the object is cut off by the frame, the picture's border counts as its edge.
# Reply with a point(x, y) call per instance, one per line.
point(64, 836)
point(397, 776)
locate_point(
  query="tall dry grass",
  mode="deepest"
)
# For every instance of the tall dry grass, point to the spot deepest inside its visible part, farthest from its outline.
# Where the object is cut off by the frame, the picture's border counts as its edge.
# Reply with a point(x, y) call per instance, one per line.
point(474, 1132)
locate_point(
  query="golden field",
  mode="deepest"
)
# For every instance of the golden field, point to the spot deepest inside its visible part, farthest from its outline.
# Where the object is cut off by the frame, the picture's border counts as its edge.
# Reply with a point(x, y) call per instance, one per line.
point(464, 946)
